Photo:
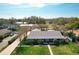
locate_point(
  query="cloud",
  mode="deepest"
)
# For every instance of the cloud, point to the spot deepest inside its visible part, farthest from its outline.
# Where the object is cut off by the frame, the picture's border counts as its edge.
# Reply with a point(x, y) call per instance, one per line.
point(22, 1)
point(42, 4)
point(37, 4)
point(37, 1)
point(29, 3)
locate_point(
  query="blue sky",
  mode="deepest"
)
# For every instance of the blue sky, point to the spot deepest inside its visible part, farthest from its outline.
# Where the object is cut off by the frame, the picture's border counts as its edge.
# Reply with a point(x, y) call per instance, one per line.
point(47, 10)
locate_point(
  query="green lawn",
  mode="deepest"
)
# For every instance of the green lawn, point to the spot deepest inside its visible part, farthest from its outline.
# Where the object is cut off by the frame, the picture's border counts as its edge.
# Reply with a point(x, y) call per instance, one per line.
point(31, 50)
point(69, 49)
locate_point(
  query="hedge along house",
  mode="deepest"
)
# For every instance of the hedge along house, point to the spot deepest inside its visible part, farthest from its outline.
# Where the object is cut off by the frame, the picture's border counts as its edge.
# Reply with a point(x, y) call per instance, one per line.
point(45, 37)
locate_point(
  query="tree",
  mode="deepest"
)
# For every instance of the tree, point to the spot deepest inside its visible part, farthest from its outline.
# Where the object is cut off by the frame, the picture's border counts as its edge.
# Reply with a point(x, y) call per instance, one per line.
point(12, 20)
point(72, 26)
point(36, 20)
point(72, 35)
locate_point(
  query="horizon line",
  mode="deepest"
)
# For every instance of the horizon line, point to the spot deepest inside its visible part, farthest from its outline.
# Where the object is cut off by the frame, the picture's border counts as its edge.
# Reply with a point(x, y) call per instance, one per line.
point(41, 17)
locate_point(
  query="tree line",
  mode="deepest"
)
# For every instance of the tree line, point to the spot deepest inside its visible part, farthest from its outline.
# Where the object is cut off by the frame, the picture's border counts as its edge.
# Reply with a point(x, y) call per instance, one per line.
point(67, 23)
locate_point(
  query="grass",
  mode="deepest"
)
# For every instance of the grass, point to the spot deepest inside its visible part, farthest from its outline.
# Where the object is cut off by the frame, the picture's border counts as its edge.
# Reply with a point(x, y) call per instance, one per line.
point(66, 49)
point(50, 26)
point(31, 50)
point(69, 49)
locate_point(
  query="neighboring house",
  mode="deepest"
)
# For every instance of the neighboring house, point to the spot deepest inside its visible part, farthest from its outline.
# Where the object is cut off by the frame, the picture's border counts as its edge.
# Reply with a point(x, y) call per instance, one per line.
point(28, 27)
point(19, 23)
point(76, 32)
point(4, 33)
point(1, 27)
point(43, 27)
point(46, 37)
point(10, 26)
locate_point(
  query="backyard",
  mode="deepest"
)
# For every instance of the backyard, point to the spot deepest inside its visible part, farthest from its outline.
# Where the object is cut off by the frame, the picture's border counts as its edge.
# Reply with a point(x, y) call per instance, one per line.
point(63, 49)
point(68, 49)
point(24, 49)
point(31, 50)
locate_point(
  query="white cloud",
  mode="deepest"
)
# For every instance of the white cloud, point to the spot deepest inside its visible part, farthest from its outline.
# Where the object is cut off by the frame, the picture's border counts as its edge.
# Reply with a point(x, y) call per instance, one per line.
point(31, 3)
point(41, 4)
point(37, 1)
point(24, 1)
point(37, 4)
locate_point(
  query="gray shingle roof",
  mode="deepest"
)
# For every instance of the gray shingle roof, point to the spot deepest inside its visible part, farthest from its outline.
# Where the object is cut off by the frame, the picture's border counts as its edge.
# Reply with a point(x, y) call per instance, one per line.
point(4, 31)
point(45, 35)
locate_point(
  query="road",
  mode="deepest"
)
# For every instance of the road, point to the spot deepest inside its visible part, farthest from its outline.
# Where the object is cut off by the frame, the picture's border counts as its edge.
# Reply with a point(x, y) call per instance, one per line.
point(10, 48)
point(50, 50)
point(4, 43)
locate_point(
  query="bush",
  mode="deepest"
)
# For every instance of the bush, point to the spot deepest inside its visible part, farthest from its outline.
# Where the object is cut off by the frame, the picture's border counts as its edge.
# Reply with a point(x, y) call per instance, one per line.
point(72, 36)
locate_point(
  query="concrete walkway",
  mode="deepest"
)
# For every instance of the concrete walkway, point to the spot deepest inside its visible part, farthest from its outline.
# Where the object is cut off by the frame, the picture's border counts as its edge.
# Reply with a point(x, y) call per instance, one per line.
point(50, 50)
point(10, 48)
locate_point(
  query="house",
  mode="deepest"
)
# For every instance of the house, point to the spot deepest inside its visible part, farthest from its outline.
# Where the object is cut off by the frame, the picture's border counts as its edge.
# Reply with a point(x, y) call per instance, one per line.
point(19, 23)
point(4, 33)
point(10, 26)
point(1, 27)
point(45, 37)
point(43, 27)
point(76, 32)
point(28, 27)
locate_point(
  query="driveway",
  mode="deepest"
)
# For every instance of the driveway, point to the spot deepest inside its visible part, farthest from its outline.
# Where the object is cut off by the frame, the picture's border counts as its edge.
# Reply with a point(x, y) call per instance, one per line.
point(10, 48)
point(4, 43)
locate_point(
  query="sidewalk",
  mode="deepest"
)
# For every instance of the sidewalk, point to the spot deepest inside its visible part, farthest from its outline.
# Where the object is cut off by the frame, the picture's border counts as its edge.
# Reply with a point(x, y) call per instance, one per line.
point(50, 49)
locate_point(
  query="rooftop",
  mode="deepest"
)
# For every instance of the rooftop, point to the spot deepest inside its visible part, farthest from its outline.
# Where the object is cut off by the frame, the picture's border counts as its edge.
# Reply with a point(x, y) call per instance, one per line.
point(26, 25)
point(76, 32)
point(4, 31)
point(52, 34)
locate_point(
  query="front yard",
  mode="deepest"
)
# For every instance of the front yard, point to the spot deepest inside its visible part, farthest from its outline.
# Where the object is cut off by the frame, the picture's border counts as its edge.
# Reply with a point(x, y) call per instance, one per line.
point(68, 49)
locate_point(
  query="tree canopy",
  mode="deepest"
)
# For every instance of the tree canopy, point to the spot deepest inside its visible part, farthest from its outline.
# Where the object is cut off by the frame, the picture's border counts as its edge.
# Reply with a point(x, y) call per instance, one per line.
point(62, 22)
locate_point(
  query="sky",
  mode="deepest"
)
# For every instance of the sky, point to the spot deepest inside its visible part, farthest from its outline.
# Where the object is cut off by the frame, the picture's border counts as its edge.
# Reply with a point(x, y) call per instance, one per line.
point(46, 10)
